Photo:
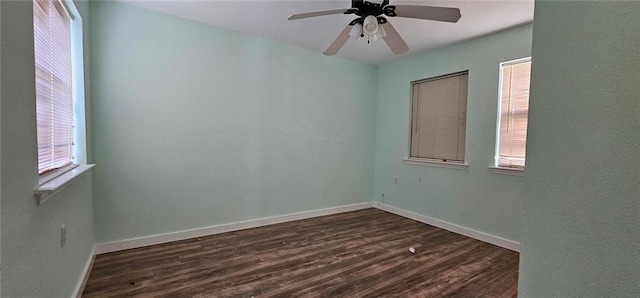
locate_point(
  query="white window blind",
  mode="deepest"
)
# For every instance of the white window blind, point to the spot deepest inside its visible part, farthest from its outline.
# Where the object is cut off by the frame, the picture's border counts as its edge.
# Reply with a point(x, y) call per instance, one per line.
point(514, 110)
point(54, 103)
point(438, 121)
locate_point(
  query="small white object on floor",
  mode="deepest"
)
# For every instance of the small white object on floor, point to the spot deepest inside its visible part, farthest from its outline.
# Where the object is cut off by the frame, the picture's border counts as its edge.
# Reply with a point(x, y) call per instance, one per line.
point(412, 250)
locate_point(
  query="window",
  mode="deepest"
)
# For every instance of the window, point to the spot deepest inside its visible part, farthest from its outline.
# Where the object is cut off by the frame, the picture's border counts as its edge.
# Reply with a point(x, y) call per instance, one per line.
point(438, 118)
point(60, 105)
point(513, 110)
point(54, 101)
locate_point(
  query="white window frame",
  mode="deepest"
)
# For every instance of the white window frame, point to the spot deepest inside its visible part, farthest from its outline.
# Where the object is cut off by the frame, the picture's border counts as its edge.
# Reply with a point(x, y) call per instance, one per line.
point(55, 180)
point(495, 168)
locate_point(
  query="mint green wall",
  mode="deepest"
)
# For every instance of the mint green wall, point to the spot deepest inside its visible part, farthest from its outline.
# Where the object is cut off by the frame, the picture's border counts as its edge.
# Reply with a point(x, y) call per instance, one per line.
point(580, 233)
point(33, 262)
point(195, 126)
point(476, 198)
point(0, 157)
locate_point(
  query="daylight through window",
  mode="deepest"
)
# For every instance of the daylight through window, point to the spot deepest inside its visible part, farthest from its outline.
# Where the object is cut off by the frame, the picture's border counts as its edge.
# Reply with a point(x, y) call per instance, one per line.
point(54, 102)
point(511, 144)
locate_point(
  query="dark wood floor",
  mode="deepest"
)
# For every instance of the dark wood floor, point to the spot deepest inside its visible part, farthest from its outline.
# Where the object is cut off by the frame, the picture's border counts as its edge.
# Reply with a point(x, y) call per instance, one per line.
point(354, 254)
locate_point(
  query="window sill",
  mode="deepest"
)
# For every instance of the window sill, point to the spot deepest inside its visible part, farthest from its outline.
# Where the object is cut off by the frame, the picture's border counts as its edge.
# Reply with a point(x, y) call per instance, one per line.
point(507, 171)
point(435, 163)
point(53, 186)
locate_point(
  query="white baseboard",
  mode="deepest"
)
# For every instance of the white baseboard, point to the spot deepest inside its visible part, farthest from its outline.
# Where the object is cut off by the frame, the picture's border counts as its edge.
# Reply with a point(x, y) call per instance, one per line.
point(102, 248)
point(495, 240)
point(77, 292)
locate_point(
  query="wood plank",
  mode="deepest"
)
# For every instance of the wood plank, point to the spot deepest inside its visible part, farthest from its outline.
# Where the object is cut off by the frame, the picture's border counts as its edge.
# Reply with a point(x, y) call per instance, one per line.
point(353, 254)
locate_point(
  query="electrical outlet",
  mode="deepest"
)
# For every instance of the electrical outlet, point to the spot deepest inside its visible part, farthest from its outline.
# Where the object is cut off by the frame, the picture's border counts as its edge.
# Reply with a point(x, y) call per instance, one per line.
point(63, 235)
point(395, 179)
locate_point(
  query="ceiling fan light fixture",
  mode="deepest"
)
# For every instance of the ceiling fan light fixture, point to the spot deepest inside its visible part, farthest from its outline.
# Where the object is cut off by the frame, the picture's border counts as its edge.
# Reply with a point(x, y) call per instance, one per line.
point(370, 25)
point(356, 31)
point(380, 34)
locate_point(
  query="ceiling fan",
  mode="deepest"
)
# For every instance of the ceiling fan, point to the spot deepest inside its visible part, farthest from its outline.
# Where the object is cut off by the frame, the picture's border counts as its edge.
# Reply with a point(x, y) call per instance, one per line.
point(372, 24)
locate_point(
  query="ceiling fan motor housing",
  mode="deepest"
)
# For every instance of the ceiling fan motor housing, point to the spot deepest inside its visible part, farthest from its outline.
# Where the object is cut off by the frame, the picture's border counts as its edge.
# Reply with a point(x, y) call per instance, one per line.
point(368, 12)
point(366, 8)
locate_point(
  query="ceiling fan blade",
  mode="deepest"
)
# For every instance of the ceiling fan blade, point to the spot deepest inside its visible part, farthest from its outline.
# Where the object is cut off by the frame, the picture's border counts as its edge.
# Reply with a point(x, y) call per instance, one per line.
point(434, 13)
point(316, 14)
point(394, 40)
point(342, 38)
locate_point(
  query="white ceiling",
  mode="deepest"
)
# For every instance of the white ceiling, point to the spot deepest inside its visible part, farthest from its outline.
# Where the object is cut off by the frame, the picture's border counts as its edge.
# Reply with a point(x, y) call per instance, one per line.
point(268, 19)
